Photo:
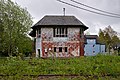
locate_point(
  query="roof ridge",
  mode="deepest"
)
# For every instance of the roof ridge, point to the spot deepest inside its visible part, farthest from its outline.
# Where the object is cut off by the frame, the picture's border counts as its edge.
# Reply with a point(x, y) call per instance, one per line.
point(59, 20)
point(59, 15)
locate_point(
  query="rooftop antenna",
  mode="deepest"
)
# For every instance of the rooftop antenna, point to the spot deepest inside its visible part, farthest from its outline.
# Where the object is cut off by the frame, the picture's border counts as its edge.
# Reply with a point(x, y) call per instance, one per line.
point(64, 11)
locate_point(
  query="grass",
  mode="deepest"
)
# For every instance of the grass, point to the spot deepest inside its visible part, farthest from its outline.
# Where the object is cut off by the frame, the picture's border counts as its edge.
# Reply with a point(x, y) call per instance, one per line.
point(95, 67)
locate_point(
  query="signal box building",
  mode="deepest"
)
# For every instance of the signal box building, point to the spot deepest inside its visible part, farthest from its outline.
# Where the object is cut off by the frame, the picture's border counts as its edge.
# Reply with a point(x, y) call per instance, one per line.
point(59, 36)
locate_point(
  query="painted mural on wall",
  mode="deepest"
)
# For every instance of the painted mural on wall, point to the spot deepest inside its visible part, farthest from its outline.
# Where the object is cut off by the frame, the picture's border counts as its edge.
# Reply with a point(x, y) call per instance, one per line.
point(47, 34)
point(63, 48)
point(74, 34)
point(73, 49)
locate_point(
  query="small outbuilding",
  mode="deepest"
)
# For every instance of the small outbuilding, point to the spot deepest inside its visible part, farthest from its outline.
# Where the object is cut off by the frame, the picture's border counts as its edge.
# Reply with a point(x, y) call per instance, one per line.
point(93, 46)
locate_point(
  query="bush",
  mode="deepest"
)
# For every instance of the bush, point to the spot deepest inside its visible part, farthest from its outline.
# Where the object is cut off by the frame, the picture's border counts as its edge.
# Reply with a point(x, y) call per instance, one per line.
point(95, 66)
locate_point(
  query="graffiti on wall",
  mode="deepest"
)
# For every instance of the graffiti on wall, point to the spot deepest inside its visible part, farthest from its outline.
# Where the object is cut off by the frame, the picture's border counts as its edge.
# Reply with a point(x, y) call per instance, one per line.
point(65, 48)
point(73, 34)
point(73, 49)
point(47, 34)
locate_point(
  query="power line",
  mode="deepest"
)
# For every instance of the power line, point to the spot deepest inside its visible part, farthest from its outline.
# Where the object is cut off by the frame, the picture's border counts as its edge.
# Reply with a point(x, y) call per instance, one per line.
point(88, 10)
point(94, 8)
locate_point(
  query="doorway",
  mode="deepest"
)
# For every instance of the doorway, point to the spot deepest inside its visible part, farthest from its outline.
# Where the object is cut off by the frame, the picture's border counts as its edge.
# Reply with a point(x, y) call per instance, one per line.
point(39, 53)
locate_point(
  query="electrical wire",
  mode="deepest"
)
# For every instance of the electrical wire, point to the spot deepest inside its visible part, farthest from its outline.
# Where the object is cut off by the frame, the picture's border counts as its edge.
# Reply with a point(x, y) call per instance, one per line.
point(88, 10)
point(95, 8)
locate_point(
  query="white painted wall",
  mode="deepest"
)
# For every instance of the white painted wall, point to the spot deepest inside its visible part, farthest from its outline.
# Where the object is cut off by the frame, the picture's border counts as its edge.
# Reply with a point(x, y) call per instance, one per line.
point(102, 48)
point(89, 49)
point(38, 46)
point(97, 48)
point(60, 39)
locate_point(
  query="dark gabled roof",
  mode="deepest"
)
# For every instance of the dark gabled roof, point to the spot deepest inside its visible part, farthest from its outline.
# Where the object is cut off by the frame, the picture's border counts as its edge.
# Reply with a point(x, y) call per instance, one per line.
point(59, 21)
point(32, 33)
point(93, 37)
point(90, 37)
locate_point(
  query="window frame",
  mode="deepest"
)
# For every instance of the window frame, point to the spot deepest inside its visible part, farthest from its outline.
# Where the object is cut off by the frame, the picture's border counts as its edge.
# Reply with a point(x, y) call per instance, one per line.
point(60, 49)
point(60, 32)
point(39, 32)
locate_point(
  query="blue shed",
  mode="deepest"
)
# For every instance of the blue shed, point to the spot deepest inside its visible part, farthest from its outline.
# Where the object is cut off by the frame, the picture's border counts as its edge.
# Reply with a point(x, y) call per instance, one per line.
point(92, 46)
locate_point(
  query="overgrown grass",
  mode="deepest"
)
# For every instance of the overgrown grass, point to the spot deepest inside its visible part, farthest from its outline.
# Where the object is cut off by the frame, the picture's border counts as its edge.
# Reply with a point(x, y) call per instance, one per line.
point(100, 66)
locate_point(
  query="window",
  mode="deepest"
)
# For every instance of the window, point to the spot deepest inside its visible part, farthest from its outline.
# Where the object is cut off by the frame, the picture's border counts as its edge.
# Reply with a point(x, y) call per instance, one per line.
point(91, 41)
point(65, 49)
point(60, 32)
point(38, 52)
point(60, 49)
point(45, 49)
point(54, 49)
point(81, 32)
point(38, 32)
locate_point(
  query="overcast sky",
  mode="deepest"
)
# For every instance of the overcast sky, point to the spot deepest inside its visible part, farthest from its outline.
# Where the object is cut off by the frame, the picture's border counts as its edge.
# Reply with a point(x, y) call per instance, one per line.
point(40, 8)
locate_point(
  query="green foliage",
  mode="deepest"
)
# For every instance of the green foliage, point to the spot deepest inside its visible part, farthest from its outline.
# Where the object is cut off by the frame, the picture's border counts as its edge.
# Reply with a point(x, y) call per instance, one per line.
point(101, 36)
point(15, 23)
point(109, 37)
point(100, 66)
point(108, 40)
point(115, 40)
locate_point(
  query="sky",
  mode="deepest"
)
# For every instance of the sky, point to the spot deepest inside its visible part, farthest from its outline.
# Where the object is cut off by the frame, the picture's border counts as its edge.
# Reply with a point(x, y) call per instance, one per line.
point(40, 8)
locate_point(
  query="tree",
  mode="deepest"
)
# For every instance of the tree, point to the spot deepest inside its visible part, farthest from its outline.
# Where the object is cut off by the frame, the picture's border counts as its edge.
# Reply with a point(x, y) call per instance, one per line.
point(112, 35)
point(101, 36)
point(115, 41)
point(108, 41)
point(110, 31)
point(109, 37)
point(15, 23)
point(87, 33)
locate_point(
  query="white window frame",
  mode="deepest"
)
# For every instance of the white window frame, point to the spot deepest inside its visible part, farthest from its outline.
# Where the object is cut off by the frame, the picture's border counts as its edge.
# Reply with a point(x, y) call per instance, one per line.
point(57, 32)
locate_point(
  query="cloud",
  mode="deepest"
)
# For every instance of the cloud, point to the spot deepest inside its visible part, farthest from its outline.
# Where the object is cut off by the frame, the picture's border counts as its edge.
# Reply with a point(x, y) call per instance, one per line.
point(40, 8)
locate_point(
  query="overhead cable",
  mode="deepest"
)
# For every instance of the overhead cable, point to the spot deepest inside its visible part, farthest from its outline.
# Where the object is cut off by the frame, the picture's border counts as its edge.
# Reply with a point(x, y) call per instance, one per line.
point(95, 8)
point(88, 10)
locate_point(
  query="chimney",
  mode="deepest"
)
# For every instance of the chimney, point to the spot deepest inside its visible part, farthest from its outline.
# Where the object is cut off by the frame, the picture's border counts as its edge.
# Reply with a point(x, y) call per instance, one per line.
point(64, 11)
